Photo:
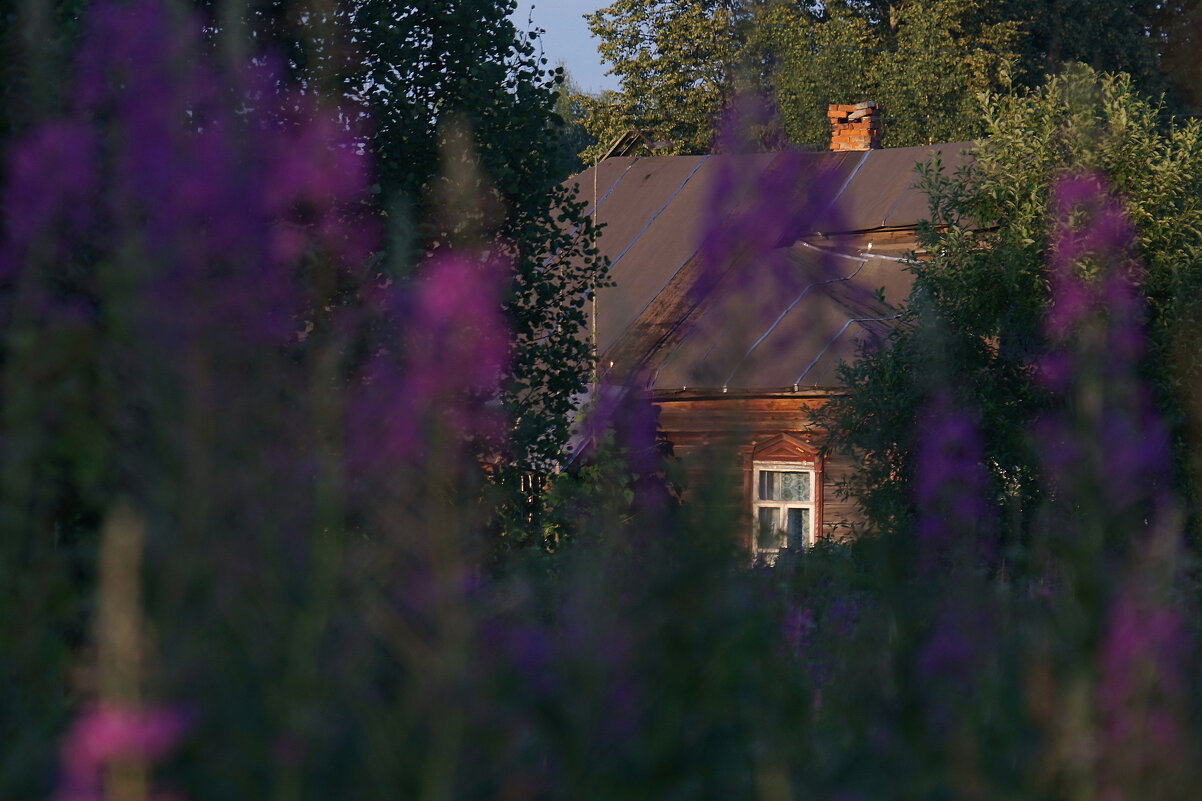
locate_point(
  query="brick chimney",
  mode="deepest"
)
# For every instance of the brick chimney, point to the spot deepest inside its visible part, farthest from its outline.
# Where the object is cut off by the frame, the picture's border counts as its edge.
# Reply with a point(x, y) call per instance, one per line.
point(855, 127)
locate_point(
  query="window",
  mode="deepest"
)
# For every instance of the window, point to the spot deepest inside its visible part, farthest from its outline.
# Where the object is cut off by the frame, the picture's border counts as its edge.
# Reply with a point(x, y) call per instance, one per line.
point(783, 510)
point(782, 484)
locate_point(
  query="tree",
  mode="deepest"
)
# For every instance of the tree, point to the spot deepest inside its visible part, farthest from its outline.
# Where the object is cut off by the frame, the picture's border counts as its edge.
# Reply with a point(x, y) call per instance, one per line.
point(1110, 36)
point(428, 69)
point(570, 101)
point(925, 61)
point(973, 319)
point(461, 120)
point(1176, 32)
point(676, 60)
point(681, 63)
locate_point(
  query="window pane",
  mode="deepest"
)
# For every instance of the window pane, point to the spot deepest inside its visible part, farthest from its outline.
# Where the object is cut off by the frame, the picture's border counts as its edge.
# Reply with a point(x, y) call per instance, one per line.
point(775, 485)
point(798, 530)
point(794, 486)
point(767, 485)
point(768, 533)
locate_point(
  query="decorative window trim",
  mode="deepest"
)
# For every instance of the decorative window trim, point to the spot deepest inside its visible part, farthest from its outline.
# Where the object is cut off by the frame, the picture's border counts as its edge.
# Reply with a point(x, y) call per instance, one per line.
point(788, 453)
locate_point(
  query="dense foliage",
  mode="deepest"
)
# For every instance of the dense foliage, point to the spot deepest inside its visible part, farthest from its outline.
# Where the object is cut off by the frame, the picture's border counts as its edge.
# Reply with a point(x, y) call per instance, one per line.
point(470, 148)
point(973, 319)
point(676, 62)
point(925, 61)
point(244, 532)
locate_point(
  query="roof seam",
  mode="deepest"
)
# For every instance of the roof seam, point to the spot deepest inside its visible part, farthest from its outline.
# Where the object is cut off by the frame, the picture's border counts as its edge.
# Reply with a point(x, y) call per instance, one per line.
point(671, 355)
point(614, 185)
point(898, 199)
point(597, 205)
point(847, 183)
point(630, 244)
point(785, 313)
point(655, 216)
point(833, 339)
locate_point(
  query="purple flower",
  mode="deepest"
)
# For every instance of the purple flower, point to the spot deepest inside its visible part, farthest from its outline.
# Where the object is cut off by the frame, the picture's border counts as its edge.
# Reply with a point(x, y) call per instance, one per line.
point(52, 180)
point(1105, 443)
point(950, 485)
point(444, 377)
point(950, 652)
point(798, 627)
point(633, 419)
point(1089, 225)
point(203, 203)
point(109, 734)
point(1142, 688)
point(843, 615)
point(760, 204)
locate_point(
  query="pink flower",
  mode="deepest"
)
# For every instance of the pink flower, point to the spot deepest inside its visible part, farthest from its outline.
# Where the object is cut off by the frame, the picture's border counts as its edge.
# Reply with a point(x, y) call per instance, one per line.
point(1089, 224)
point(108, 734)
point(445, 375)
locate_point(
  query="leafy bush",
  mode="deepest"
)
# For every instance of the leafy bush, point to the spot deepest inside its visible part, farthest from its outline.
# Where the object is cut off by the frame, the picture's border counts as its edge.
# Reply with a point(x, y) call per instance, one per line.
point(244, 516)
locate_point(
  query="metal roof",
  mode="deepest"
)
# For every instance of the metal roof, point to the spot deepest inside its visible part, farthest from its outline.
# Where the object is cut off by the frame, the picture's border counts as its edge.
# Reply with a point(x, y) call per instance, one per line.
point(759, 315)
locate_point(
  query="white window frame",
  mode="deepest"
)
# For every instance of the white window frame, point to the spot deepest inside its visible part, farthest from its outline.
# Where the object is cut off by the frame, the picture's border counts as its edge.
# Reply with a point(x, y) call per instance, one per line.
point(769, 554)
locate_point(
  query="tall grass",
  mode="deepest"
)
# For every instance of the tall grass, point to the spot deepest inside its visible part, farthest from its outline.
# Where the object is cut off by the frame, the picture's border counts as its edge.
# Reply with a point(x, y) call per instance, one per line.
point(244, 513)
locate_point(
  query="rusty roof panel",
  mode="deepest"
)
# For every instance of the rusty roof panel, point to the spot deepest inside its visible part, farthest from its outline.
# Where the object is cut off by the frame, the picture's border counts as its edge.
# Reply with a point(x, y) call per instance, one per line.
point(608, 174)
point(787, 353)
point(659, 254)
point(787, 319)
point(876, 187)
point(861, 314)
point(912, 205)
point(652, 247)
point(777, 329)
point(644, 250)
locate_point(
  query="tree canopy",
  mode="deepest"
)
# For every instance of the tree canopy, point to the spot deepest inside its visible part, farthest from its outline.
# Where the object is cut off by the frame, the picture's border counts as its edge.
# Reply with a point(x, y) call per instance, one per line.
point(676, 60)
point(456, 109)
point(973, 318)
point(469, 147)
point(925, 61)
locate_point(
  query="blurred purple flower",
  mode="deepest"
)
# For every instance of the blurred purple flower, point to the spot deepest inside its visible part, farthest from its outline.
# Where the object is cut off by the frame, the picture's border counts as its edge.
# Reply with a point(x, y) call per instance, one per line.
point(634, 422)
point(953, 655)
point(1106, 454)
point(624, 708)
point(1088, 224)
point(207, 201)
point(109, 734)
point(951, 486)
point(842, 616)
point(1106, 439)
point(744, 243)
point(52, 181)
point(798, 627)
point(444, 378)
point(525, 648)
point(1143, 686)
point(950, 652)
point(759, 205)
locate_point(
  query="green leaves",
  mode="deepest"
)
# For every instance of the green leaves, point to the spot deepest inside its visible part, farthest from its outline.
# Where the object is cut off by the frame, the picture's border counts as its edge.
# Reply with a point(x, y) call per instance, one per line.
point(924, 62)
point(676, 61)
point(974, 317)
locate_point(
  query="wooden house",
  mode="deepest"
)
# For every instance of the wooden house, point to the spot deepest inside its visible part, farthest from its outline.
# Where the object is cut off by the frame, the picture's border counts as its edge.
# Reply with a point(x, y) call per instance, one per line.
point(741, 281)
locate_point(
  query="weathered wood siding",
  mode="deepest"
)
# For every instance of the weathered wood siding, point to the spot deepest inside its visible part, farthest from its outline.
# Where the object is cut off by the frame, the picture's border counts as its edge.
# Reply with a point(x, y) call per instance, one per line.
point(714, 431)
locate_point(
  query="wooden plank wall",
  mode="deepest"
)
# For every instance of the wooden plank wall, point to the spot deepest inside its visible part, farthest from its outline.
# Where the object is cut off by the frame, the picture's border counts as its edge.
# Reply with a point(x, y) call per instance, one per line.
point(714, 431)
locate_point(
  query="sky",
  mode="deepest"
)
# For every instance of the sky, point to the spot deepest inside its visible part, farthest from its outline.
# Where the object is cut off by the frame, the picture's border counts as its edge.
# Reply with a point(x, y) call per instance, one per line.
point(567, 38)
